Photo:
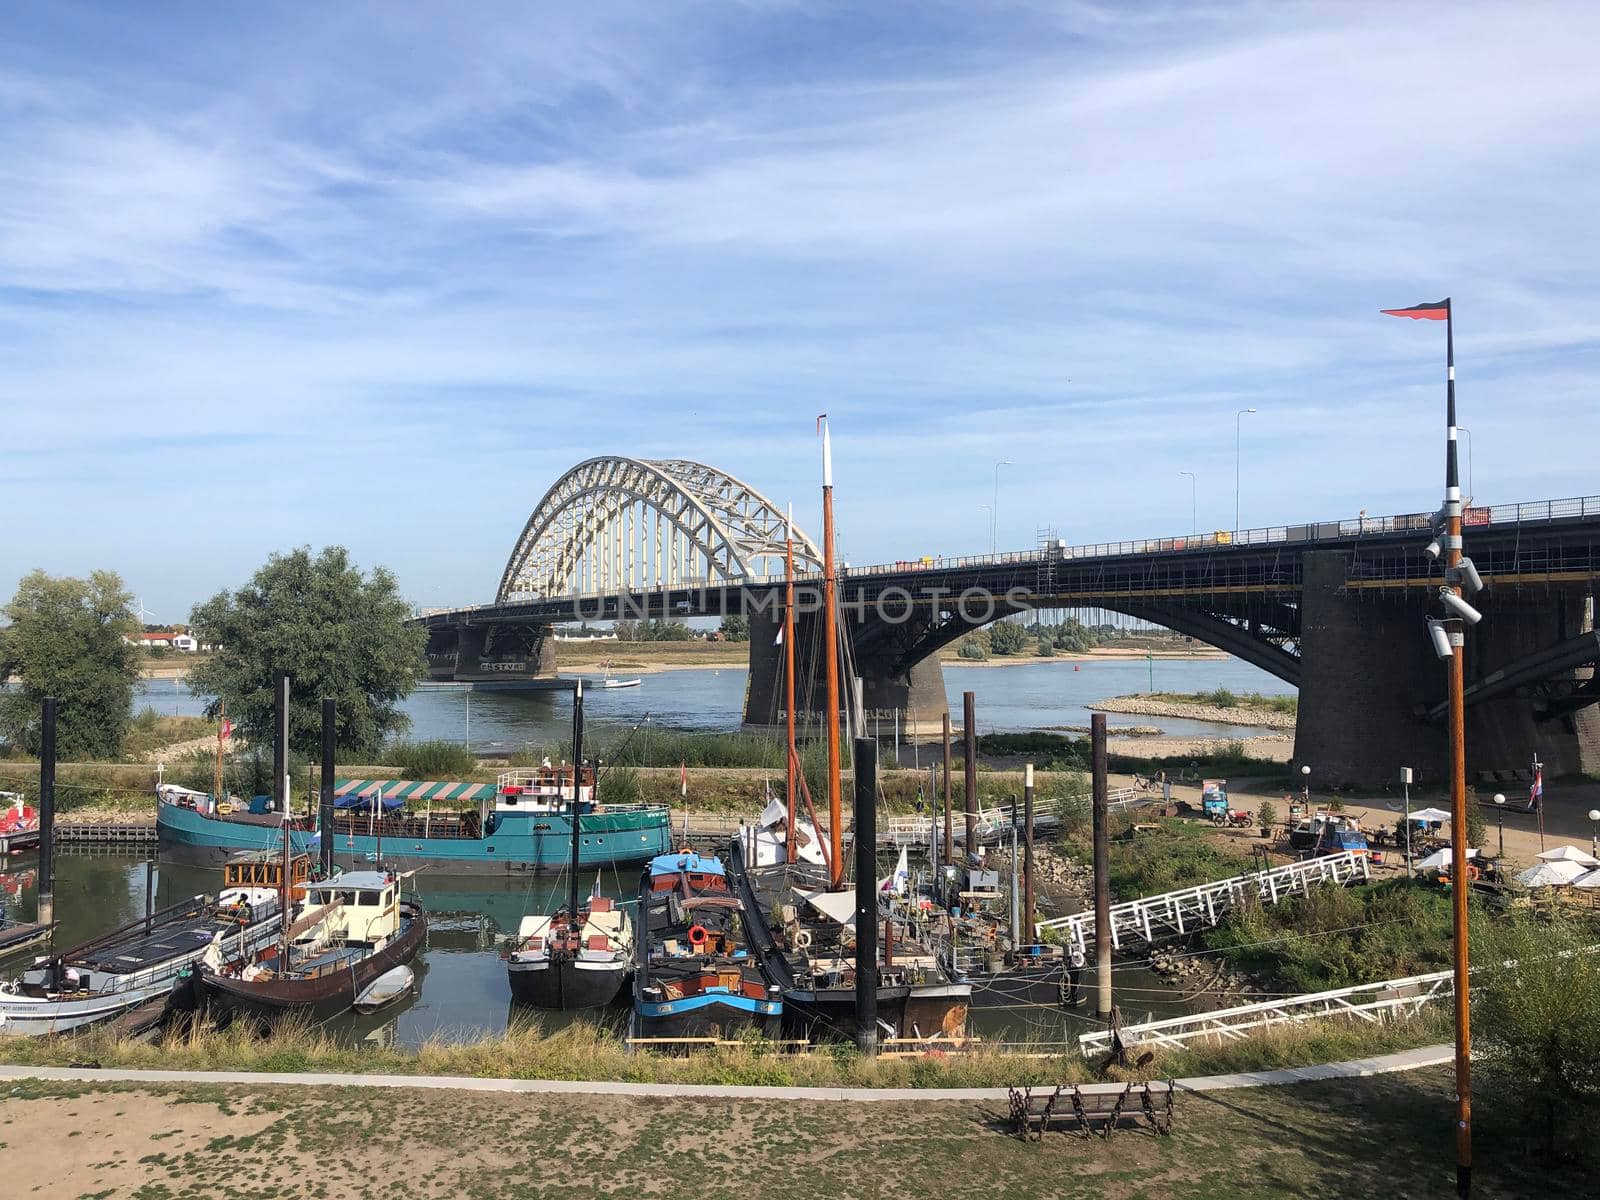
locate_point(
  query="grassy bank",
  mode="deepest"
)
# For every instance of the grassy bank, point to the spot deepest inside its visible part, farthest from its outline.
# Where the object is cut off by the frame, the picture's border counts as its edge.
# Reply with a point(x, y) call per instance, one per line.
point(1223, 698)
point(1177, 855)
point(594, 1052)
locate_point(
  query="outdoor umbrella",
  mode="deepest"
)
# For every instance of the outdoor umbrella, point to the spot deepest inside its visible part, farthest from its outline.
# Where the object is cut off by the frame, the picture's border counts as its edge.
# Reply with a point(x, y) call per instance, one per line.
point(1430, 815)
point(1551, 874)
point(1440, 860)
point(1591, 880)
point(1569, 854)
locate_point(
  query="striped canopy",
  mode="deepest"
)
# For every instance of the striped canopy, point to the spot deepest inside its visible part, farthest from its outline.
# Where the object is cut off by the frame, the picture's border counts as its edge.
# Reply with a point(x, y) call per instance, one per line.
point(411, 791)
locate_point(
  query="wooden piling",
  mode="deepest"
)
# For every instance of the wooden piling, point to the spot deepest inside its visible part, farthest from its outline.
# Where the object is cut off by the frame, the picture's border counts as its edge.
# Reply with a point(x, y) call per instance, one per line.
point(1102, 868)
point(866, 818)
point(969, 740)
point(47, 811)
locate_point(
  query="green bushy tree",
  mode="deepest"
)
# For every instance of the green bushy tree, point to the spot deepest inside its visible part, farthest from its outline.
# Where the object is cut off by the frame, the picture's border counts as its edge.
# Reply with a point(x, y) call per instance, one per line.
point(66, 639)
point(336, 631)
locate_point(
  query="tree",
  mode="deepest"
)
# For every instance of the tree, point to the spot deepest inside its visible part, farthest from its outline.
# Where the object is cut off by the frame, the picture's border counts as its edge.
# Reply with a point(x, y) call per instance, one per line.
point(1536, 1028)
point(1475, 829)
point(1047, 648)
point(972, 650)
point(337, 633)
point(735, 628)
point(1007, 637)
point(66, 640)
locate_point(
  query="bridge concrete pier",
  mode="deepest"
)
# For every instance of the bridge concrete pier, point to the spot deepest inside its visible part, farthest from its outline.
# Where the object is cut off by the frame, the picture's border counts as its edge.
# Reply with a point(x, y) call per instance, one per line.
point(502, 654)
point(1369, 676)
point(889, 685)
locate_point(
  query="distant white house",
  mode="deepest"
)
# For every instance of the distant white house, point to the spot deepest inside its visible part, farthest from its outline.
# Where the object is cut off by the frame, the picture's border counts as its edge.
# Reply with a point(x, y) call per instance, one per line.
point(167, 639)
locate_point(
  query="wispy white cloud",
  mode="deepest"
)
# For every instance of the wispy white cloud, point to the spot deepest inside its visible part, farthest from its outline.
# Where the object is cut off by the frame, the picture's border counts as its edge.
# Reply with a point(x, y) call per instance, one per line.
point(392, 270)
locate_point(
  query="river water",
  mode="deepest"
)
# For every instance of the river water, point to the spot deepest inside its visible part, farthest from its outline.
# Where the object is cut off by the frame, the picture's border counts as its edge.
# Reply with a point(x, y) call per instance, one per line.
point(1035, 695)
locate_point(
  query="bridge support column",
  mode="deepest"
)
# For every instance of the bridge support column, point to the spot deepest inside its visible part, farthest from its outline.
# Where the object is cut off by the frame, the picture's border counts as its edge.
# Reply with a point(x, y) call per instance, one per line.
point(916, 692)
point(493, 654)
point(1368, 675)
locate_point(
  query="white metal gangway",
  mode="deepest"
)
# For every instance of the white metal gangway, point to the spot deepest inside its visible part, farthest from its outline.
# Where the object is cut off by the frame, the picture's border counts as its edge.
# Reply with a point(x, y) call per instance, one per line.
point(1173, 914)
point(1372, 1002)
point(995, 823)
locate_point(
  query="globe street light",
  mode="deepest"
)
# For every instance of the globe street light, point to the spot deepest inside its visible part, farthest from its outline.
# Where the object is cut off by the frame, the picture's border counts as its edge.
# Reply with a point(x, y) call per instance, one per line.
point(1305, 791)
point(1500, 814)
point(1238, 418)
point(1594, 832)
point(1194, 524)
point(994, 513)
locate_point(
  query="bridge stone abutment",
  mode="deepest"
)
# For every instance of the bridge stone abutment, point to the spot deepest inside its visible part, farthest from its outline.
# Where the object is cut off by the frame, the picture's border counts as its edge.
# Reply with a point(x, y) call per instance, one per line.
point(1368, 677)
point(889, 684)
point(500, 653)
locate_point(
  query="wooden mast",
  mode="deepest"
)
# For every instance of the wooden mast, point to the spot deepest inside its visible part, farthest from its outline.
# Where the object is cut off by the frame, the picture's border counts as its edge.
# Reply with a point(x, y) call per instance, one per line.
point(792, 755)
point(830, 644)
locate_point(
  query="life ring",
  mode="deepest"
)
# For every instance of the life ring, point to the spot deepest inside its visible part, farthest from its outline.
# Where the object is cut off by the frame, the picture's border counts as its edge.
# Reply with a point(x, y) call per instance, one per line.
point(697, 935)
point(802, 939)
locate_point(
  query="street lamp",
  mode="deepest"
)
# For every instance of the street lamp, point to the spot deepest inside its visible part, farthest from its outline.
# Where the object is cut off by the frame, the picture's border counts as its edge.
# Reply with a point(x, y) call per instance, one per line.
point(1238, 419)
point(994, 513)
point(1594, 832)
point(990, 511)
point(1194, 524)
point(1500, 815)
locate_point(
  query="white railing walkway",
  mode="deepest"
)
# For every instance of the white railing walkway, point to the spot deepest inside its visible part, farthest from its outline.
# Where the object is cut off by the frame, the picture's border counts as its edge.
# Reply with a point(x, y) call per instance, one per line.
point(1173, 914)
point(995, 823)
point(1372, 1002)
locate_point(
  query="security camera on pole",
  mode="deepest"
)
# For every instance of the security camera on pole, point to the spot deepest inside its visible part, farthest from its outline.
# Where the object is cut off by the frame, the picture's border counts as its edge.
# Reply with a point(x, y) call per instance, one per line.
point(1448, 634)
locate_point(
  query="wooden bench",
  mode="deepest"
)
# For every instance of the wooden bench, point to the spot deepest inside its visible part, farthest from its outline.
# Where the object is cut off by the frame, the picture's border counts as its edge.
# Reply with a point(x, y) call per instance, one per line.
point(1032, 1112)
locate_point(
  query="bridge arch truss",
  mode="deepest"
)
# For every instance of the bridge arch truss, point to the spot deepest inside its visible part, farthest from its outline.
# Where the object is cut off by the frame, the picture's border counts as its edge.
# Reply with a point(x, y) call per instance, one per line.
point(615, 524)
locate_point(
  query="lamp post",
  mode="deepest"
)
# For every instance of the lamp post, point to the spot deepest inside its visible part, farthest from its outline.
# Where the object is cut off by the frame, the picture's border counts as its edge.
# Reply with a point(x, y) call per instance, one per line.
point(1194, 523)
point(1405, 782)
point(1500, 816)
point(1305, 790)
point(1594, 832)
point(1238, 420)
point(994, 512)
point(990, 511)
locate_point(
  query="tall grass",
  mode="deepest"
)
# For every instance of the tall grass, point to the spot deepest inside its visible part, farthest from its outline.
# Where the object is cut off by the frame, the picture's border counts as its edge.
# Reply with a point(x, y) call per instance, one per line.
point(586, 1051)
point(432, 759)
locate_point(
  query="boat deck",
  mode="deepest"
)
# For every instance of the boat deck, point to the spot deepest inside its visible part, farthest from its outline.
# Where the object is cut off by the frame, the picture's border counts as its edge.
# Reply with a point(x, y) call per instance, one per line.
point(141, 950)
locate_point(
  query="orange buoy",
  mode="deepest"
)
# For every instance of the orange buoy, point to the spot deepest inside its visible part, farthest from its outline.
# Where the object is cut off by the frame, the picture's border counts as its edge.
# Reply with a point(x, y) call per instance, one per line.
point(697, 935)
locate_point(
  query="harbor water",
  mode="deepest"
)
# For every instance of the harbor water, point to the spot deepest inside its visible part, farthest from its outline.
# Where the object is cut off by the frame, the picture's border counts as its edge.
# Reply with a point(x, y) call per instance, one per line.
point(462, 994)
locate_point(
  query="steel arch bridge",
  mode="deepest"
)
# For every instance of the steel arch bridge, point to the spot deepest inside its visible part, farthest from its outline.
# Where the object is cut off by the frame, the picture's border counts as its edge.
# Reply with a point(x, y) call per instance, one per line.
point(615, 524)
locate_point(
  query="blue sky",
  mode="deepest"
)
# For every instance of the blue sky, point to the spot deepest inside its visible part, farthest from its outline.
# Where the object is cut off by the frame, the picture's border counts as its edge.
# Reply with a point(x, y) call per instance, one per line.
point(376, 275)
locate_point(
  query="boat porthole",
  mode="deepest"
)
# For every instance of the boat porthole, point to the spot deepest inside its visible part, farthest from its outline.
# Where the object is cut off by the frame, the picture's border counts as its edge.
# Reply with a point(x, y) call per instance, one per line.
point(488, 849)
point(419, 846)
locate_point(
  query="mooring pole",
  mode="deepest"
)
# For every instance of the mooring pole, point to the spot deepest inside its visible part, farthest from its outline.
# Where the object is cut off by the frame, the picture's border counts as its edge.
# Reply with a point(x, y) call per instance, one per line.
point(949, 831)
point(866, 818)
point(577, 796)
point(280, 759)
point(1102, 870)
point(47, 811)
point(969, 741)
point(149, 892)
point(1027, 852)
point(325, 815)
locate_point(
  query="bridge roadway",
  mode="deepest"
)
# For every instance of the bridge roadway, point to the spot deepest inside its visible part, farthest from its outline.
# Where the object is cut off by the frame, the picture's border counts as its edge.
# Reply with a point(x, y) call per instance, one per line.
point(1334, 608)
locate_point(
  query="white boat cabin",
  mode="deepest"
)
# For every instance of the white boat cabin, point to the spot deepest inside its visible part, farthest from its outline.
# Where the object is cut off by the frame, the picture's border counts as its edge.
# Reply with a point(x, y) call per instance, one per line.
point(358, 906)
point(541, 789)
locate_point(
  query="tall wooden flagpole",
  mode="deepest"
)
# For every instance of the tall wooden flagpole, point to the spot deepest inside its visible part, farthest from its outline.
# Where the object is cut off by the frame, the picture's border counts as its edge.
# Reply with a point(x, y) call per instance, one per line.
point(830, 654)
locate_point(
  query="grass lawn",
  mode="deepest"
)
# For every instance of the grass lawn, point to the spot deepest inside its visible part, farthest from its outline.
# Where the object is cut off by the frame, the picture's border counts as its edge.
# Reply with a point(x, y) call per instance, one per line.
point(1388, 1136)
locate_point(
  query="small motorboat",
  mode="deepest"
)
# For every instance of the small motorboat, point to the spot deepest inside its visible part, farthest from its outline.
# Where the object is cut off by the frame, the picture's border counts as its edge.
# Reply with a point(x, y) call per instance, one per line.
point(607, 682)
point(389, 988)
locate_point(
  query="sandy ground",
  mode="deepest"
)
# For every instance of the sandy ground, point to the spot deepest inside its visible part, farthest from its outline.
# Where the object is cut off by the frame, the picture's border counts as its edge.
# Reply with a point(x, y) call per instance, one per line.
point(1308, 1140)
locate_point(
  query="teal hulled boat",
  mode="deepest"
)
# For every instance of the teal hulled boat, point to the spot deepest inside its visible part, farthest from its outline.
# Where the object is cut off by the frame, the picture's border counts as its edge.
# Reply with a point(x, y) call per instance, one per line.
point(522, 822)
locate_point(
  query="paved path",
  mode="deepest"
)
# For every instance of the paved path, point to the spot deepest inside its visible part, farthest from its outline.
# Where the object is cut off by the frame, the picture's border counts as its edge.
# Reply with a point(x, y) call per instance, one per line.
point(1408, 1060)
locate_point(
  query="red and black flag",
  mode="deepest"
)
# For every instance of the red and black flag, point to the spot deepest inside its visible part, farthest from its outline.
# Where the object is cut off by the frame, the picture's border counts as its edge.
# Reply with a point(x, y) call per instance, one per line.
point(1439, 310)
